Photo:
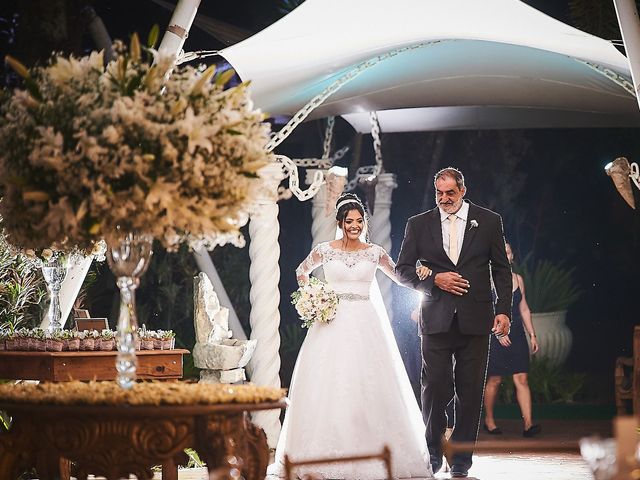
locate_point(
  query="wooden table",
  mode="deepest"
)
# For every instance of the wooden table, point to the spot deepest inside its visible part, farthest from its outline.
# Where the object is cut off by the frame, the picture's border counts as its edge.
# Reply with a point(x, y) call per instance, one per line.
point(116, 441)
point(87, 365)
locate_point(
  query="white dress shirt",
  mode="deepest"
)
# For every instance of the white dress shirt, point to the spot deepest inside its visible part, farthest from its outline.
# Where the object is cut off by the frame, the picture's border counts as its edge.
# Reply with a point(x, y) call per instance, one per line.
point(461, 223)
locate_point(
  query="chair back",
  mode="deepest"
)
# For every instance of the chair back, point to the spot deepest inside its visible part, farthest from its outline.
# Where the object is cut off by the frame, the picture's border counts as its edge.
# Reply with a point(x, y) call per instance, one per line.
point(290, 465)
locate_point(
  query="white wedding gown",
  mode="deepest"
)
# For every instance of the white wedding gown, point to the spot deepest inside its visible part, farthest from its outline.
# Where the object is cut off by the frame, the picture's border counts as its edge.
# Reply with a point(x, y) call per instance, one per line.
point(350, 394)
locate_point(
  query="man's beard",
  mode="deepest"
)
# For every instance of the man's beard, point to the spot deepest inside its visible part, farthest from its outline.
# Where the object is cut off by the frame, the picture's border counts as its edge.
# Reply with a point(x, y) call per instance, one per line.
point(451, 207)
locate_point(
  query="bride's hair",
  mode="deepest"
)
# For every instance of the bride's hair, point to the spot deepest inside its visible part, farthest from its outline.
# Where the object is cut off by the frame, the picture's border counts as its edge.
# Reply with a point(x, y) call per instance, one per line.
point(347, 202)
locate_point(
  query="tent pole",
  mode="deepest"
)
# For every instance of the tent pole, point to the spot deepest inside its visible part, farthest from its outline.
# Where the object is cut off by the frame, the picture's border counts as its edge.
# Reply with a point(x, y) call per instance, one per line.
point(179, 26)
point(630, 29)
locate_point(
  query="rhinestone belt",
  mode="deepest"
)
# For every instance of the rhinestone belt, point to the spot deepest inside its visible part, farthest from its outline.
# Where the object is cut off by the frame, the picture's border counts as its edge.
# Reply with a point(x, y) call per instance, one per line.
point(352, 297)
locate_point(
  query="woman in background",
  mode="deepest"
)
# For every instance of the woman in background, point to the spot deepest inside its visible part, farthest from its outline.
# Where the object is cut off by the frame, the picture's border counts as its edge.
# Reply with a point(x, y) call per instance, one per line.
point(509, 355)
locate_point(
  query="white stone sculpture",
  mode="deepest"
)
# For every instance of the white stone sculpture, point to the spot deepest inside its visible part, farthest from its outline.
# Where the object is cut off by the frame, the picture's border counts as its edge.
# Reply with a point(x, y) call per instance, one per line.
point(221, 358)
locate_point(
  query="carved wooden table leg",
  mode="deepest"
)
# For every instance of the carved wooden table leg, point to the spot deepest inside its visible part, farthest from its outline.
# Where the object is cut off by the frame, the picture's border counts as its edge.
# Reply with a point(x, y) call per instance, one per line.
point(232, 441)
point(65, 469)
point(16, 454)
point(257, 451)
point(169, 470)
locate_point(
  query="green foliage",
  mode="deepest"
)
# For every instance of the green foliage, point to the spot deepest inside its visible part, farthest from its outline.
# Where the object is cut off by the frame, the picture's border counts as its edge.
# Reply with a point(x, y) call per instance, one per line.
point(21, 289)
point(553, 384)
point(549, 287)
point(194, 459)
point(165, 298)
point(5, 420)
point(548, 384)
point(506, 392)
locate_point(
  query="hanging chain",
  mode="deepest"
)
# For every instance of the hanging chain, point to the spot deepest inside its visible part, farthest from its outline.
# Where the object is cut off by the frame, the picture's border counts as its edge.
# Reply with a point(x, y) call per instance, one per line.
point(328, 136)
point(289, 165)
point(377, 144)
point(316, 101)
point(361, 174)
point(322, 162)
point(635, 174)
point(616, 78)
point(291, 171)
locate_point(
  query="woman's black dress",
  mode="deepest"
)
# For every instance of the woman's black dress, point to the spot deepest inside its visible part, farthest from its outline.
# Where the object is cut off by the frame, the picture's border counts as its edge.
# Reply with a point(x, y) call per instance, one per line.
point(505, 361)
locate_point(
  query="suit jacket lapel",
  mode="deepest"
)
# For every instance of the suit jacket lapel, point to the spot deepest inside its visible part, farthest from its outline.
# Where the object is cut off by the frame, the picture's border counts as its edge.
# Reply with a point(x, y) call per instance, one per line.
point(469, 233)
point(435, 227)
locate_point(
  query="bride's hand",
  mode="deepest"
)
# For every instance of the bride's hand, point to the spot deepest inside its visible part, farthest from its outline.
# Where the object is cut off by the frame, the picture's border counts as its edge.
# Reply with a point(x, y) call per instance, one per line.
point(423, 272)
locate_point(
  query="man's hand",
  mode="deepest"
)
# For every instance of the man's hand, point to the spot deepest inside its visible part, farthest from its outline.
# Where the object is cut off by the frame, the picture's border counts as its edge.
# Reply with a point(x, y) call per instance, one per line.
point(451, 282)
point(505, 341)
point(501, 326)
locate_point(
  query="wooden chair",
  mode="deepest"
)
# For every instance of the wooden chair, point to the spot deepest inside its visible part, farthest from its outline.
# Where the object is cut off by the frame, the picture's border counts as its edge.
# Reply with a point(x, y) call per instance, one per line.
point(627, 379)
point(636, 370)
point(624, 385)
point(290, 466)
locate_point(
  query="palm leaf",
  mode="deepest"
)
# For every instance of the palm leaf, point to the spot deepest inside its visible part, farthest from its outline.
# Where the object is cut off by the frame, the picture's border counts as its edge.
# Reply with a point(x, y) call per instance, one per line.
point(549, 287)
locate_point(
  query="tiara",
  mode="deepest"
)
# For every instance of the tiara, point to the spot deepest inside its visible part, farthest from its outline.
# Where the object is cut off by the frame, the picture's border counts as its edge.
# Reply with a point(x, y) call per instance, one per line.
point(347, 201)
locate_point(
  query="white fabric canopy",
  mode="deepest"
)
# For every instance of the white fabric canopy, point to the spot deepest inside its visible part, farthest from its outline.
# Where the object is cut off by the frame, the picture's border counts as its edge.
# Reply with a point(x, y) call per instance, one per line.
point(496, 64)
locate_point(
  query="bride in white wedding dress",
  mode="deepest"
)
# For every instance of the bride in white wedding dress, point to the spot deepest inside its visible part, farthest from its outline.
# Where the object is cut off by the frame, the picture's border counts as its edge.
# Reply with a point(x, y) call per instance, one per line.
point(350, 394)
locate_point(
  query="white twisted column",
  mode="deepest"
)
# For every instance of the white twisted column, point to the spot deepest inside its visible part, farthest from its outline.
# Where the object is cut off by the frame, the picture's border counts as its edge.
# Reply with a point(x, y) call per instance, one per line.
point(323, 224)
point(264, 274)
point(380, 228)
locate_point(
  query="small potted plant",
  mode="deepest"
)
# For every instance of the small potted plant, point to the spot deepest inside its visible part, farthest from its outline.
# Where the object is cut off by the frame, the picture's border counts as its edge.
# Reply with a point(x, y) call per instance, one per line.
point(39, 344)
point(11, 342)
point(87, 342)
point(157, 339)
point(97, 339)
point(168, 340)
point(107, 340)
point(31, 341)
point(22, 336)
point(73, 342)
point(53, 341)
point(147, 338)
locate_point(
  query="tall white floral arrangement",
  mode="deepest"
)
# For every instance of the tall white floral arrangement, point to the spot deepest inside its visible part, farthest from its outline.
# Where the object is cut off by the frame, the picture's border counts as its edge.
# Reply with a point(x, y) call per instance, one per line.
point(89, 151)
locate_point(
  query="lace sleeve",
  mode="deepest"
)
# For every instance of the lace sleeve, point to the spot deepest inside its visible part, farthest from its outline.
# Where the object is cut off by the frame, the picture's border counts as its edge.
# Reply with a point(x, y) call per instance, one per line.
point(309, 264)
point(387, 265)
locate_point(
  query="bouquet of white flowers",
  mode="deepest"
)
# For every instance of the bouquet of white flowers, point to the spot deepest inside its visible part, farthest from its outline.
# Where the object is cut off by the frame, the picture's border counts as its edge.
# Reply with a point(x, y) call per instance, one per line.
point(91, 151)
point(315, 302)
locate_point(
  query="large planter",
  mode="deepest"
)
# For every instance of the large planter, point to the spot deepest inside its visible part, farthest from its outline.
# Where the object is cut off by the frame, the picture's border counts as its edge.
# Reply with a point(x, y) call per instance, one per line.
point(554, 337)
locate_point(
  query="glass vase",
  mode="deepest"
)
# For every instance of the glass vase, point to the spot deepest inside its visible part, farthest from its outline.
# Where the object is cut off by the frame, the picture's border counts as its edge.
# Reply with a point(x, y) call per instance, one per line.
point(54, 273)
point(128, 260)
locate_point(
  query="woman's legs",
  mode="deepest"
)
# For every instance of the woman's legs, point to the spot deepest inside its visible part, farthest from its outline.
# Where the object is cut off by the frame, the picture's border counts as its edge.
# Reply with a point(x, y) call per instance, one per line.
point(490, 394)
point(523, 394)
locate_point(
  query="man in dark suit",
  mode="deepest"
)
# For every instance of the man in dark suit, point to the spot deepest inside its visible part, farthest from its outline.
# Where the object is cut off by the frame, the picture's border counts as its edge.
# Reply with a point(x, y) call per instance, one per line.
point(463, 247)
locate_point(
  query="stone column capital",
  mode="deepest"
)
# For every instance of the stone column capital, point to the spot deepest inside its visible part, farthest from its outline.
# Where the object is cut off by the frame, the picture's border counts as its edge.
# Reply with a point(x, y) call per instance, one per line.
point(272, 174)
point(384, 188)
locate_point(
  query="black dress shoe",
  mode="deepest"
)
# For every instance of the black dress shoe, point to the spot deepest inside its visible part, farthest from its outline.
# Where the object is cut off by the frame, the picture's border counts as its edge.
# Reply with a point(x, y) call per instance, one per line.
point(532, 431)
point(458, 471)
point(495, 431)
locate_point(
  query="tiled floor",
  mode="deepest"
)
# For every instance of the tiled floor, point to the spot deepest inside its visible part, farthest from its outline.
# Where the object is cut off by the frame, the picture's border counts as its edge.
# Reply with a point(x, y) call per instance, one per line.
point(555, 465)
point(512, 465)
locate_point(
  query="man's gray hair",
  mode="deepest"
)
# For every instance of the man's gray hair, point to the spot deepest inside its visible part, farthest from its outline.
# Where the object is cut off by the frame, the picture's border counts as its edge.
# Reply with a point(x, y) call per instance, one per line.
point(452, 173)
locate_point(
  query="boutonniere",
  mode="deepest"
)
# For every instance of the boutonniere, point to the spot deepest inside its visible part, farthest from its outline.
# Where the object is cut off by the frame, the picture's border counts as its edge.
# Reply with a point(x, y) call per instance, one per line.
point(473, 224)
